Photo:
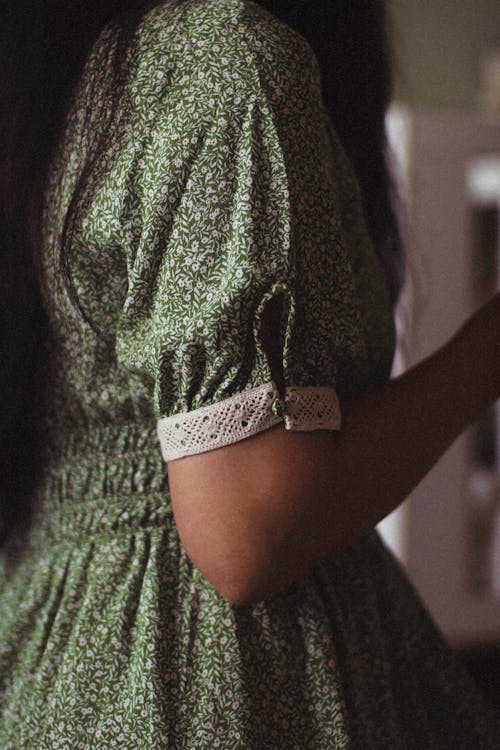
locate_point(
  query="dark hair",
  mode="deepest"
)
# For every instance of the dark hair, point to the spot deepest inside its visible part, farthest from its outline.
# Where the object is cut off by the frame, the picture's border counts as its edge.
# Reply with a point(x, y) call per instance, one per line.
point(43, 47)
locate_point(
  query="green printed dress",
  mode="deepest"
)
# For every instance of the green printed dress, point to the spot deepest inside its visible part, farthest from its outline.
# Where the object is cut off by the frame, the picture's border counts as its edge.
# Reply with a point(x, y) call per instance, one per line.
point(222, 184)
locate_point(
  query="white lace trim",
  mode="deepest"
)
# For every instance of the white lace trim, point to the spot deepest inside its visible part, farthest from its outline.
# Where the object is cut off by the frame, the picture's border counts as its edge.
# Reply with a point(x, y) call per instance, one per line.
point(246, 414)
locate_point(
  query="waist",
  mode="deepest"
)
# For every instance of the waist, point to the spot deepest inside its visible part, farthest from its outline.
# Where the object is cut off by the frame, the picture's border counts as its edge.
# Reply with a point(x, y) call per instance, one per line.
point(102, 478)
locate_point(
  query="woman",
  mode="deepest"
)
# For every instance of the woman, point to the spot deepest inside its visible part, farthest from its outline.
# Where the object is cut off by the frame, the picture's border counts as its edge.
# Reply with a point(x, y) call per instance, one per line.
point(199, 255)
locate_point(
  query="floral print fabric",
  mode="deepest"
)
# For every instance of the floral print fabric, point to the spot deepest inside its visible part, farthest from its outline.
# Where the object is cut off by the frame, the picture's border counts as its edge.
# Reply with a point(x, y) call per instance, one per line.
point(222, 184)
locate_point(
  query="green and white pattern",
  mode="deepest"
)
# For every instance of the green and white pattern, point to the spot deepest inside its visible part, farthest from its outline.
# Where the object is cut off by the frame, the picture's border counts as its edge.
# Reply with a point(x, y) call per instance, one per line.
point(222, 185)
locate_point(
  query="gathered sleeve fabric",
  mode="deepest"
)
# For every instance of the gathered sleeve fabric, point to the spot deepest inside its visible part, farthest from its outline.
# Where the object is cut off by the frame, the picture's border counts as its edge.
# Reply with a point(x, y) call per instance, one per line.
point(236, 202)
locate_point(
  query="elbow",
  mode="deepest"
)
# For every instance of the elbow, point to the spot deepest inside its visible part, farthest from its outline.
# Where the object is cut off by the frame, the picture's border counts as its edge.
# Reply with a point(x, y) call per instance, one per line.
point(243, 582)
point(240, 595)
point(246, 591)
point(249, 584)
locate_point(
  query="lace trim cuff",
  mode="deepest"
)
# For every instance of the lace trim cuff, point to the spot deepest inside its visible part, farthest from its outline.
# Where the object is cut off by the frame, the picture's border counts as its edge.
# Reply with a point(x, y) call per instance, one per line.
point(246, 414)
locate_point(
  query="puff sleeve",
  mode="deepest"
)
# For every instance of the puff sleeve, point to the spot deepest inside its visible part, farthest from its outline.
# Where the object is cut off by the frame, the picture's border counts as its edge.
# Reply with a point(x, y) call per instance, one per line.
point(236, 203)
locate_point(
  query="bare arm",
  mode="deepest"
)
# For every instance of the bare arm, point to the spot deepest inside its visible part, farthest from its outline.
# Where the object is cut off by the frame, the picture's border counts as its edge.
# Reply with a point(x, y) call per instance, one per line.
point(258, 514)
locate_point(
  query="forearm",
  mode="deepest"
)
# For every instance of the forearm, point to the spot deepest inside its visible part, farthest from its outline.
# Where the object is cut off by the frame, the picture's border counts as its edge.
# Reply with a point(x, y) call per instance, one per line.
point(391, 437)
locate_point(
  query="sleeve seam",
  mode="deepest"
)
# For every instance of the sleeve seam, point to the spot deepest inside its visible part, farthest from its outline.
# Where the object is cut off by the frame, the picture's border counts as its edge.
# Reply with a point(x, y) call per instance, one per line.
point(246, 414)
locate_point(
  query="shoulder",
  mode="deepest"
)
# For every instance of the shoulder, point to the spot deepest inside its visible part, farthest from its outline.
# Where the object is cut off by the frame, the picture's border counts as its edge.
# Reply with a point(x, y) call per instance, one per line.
point(225, 40)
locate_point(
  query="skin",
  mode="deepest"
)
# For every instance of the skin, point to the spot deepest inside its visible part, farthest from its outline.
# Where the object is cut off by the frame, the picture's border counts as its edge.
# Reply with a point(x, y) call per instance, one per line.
point(257, 515)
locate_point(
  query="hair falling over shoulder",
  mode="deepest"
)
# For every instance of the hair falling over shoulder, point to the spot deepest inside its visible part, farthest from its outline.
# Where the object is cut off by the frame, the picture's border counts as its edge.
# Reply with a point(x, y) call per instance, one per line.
point(43, 48)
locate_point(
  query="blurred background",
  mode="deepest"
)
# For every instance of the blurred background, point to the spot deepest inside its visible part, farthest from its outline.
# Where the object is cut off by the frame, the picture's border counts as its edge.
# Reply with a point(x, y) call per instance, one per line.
point(444, 128)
